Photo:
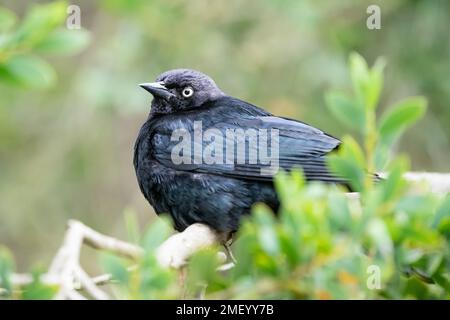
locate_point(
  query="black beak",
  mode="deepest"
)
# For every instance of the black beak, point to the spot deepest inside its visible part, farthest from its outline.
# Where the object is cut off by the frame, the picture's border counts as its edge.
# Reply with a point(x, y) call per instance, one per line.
point(157, 89)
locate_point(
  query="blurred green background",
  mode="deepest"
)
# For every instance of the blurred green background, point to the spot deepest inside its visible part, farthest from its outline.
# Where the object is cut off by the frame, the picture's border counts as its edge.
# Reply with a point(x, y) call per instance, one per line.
point(67, 133)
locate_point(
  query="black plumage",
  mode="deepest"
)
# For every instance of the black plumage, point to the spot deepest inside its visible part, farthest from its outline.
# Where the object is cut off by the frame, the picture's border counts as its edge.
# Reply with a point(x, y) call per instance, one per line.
point(217, 194)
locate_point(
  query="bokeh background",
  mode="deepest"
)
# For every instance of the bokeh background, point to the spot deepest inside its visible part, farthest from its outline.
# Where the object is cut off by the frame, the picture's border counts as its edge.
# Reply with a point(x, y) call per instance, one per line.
point(66, 145)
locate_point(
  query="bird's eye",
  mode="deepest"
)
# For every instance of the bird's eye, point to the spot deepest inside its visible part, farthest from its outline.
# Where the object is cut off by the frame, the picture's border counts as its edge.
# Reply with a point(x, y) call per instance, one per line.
point(187, 92)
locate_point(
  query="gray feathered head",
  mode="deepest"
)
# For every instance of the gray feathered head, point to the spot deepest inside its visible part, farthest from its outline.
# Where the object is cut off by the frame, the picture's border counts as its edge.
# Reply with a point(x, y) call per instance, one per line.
point(181, 89)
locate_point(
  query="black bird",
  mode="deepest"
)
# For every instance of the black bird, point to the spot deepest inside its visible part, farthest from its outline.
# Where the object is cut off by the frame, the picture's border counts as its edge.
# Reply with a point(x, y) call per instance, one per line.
point(216, 194)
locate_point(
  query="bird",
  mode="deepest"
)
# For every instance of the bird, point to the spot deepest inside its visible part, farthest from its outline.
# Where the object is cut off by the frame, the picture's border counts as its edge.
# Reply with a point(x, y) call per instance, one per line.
point(217, 193)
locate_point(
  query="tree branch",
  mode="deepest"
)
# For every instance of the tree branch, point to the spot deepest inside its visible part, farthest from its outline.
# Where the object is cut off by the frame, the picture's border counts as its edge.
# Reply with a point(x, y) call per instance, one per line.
point(66, 272)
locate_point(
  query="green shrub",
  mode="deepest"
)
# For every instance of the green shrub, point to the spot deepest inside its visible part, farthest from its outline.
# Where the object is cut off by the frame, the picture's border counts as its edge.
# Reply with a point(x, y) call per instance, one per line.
point(42, 31)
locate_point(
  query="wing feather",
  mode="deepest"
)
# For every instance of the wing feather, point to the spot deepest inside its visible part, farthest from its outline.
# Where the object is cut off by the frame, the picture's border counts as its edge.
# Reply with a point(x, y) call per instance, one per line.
point(300, 146)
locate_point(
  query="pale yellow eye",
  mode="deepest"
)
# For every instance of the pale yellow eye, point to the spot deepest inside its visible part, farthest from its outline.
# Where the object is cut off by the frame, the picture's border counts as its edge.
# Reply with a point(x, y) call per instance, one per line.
point(187, 92)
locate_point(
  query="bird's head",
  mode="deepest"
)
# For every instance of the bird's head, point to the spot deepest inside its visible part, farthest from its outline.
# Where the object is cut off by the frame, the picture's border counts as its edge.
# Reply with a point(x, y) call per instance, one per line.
point(181, 89)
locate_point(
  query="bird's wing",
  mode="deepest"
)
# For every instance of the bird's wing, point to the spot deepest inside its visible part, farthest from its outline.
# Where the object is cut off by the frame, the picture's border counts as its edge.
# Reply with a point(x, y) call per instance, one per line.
point(299, 146)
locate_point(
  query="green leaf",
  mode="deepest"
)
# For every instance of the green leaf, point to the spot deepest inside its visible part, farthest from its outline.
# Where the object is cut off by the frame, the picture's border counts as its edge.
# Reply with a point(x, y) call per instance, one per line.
point(7, 19)
point(340, 216)
point(379, 234)
point(289, 246)
point(367, 83)
point(399, 117)
point(442, 216)
point(409, 256)
point(41, 20)
point(29, 71)
point(241, 249)
point(414, 204)
point(443, 280)
point(348, 170)
point(202, 268)
point(287, 185)
point(6, 268)
point(64, 42)
point(434, 262)
point(116, 267)
point(156, 234)
point(394, 184)
point(382, 153)
point(376, 83)
point(346, 110)
point(266, 232)
point(351, 150)
point(349, 163)
point(359, 73)
point(37, 290)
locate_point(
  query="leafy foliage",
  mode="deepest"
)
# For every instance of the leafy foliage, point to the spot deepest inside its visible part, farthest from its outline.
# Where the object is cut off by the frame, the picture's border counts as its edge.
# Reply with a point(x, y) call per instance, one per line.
point(41, 32)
